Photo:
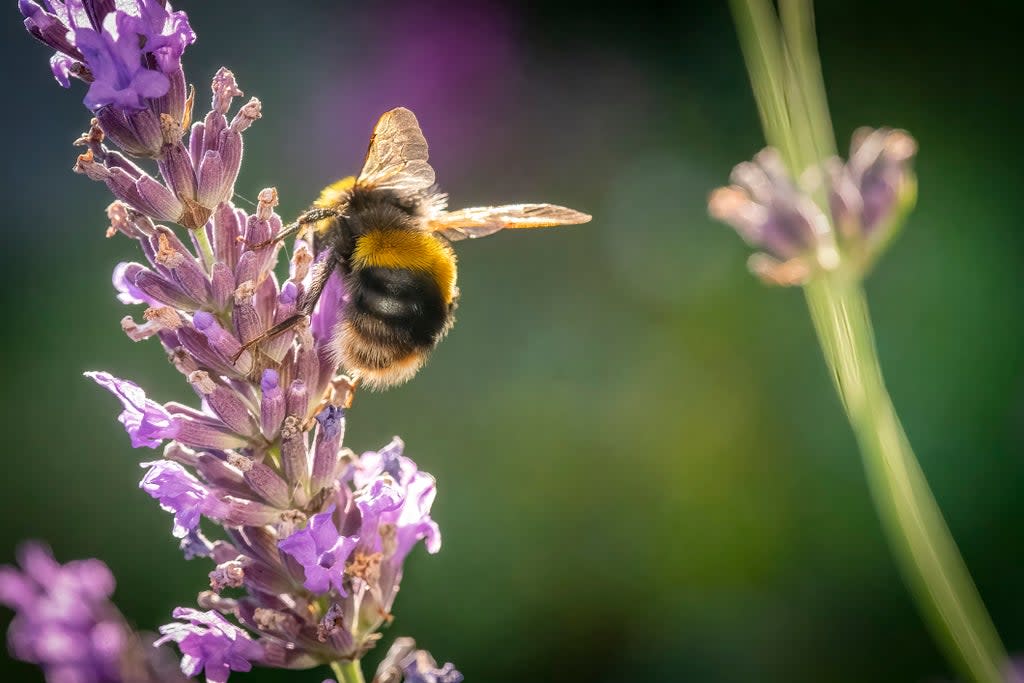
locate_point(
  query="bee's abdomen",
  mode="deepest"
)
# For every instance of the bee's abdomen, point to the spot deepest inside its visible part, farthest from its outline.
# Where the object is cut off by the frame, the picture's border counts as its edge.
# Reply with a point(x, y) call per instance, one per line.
point(394, 318)
point(398, 305)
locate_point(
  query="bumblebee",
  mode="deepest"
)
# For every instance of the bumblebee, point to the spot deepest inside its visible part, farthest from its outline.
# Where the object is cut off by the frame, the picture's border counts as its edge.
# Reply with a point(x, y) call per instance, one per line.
point(387, 231)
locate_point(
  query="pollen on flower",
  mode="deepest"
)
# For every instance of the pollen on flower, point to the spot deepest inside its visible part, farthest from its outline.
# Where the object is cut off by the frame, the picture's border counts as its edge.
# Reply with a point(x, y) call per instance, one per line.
point(266, 201)
point(229, 574)
point(290, 428)
point(249, 112)
point(294, 519)
point(202, 381)
point(165, 316)
point(171, 129)
point(301, 261)
point(117, 212)
point(275, 621)
point(86, 164)
point(365, 566)
point(166, 255)
point(332, 622)
point(91, 138)
point(244, 292)
point(240, 462)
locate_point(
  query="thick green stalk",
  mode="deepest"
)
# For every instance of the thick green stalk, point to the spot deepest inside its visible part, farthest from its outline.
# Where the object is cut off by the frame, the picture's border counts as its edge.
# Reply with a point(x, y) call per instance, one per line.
point(348, 671)
point(764, 53)
point(807, 85)
point(917, 532)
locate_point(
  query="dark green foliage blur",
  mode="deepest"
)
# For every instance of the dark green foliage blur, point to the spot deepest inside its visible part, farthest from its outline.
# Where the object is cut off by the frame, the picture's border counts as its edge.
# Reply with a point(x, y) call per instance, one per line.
point(643, 472)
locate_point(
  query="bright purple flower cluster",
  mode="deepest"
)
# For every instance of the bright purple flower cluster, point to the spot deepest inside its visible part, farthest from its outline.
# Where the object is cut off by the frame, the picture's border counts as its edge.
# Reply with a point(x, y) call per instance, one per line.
point(314, 537)
point(868, 197)
point(129, 52)
point(67, 625)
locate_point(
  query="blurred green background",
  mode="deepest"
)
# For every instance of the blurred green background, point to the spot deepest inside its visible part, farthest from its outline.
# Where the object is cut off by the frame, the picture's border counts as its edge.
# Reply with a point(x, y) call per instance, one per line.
point(644, 474)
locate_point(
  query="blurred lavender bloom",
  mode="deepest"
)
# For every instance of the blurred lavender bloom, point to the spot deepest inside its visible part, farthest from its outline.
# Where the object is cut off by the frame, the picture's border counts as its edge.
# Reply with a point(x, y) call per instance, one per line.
point(429, 58)
point(67, 625)
point(871, 194)
point(771, 212)
point(423, 669)
point(130, 55)
point(868, 197)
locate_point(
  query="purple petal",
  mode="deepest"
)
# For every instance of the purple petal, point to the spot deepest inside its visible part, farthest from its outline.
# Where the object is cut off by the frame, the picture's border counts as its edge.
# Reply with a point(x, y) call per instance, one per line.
point(323, 531)
point(326, 314)
point(300, 545)
point(124, 282)
point(62, 67)
point(182, 494)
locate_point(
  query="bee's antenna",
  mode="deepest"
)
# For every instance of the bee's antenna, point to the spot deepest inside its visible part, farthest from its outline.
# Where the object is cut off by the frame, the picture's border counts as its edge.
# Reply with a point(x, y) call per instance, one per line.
point(246, 200)
point(311, 216)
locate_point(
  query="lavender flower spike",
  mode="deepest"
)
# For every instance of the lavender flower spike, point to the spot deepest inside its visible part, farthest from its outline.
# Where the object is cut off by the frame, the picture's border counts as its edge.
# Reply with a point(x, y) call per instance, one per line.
point(313, 537)
point(66, 624)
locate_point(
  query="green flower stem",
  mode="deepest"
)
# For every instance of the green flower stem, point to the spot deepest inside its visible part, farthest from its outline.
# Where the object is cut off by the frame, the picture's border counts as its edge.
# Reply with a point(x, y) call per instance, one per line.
point(806, 84)
point(348, 671)
point(764, 54)
point(205, 248)
point(917, 532)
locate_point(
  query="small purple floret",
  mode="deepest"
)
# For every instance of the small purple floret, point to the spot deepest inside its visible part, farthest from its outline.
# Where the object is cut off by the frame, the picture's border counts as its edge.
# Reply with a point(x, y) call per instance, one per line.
point(210, 643)
point(331, 420)
point(182, 494)
point(147, 422)
point(322, 552)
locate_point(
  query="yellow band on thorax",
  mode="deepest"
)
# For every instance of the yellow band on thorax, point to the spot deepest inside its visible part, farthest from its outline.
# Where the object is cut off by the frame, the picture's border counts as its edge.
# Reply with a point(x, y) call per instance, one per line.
point(329, 198)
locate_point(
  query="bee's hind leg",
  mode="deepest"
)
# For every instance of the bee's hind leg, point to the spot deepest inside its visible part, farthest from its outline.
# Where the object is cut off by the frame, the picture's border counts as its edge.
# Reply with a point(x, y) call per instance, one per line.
point(283, 326)
point(321, 274)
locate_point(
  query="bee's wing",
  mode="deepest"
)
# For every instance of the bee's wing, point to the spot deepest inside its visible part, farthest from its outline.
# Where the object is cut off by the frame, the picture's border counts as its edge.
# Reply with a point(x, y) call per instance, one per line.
point(480, 221)
point(397, 157)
